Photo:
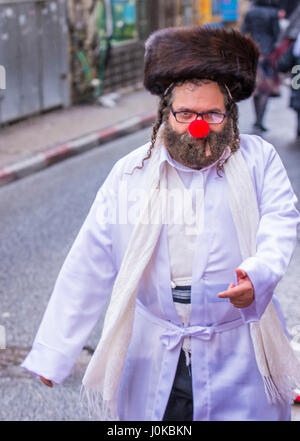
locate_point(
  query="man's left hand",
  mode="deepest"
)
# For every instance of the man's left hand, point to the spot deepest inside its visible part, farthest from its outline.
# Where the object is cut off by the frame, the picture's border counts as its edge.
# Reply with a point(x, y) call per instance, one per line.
point(242, 294)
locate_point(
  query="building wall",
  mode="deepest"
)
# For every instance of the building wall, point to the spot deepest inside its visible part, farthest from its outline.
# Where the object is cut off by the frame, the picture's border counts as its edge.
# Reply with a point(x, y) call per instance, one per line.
point(125, 67)
point(34, 53)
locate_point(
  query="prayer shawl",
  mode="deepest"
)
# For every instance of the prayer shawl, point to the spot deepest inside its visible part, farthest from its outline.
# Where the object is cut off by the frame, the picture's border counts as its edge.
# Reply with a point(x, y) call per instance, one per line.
point(275, 358)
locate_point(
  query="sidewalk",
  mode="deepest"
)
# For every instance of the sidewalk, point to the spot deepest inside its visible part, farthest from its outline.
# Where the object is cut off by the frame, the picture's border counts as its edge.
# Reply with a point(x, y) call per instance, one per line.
point(39, 141)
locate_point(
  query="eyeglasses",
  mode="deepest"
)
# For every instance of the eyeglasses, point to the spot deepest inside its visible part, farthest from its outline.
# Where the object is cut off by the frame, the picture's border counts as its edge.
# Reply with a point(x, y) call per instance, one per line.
point(186, 117)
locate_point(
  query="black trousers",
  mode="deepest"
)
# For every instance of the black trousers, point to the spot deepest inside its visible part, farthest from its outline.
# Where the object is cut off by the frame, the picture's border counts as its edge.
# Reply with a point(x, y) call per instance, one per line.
point(180, 404)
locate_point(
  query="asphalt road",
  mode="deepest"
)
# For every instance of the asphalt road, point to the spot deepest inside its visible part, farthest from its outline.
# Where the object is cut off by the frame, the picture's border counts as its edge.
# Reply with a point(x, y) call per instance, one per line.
point(40, 218)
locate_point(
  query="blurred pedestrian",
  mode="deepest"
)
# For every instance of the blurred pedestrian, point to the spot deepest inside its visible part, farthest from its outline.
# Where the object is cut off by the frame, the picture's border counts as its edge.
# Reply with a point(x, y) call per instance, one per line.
point(289, 6)
point(192, 331)
point(291, 32)
point(262, 23)
point(290, 62)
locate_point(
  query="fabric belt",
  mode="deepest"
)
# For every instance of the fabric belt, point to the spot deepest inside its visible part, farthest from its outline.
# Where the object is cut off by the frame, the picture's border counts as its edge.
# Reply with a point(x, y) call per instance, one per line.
point(182, 294)
point(174, 334)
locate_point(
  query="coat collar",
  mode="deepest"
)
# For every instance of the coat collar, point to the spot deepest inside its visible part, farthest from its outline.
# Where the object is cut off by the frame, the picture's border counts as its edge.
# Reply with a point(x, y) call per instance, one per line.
point(165, 156)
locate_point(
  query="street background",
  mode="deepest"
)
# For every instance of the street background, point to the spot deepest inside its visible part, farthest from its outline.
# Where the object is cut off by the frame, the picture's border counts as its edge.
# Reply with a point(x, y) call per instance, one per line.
point(51, 165)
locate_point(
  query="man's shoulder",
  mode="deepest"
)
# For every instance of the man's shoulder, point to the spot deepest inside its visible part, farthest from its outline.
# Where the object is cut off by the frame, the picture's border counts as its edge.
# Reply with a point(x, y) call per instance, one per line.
point(254, 147)
point(125, 165)
point(133, 158)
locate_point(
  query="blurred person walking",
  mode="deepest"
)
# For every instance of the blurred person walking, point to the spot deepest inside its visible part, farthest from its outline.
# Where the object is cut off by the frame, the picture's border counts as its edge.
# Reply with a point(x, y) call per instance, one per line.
point(293, 28)
point(289, 6)
point(289, 34)
point(262, 23)
point(290, 61)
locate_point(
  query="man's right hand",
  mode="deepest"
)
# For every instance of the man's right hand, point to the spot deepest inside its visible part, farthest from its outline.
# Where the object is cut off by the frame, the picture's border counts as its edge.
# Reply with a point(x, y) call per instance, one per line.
point(46, 382)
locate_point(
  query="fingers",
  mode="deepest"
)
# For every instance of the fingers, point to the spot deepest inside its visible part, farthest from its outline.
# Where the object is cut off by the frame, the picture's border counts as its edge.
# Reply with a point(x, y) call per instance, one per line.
point(46, 382)
point(232, 292)
point(241, 301)
point(240, 273)
point(240, 296)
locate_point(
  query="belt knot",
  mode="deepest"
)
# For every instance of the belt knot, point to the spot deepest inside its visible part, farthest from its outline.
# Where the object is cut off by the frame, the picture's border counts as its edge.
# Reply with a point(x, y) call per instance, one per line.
point(172, 337)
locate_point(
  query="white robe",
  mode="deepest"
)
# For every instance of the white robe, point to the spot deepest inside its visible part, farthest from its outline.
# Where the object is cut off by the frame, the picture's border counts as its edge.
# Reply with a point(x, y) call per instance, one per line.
point(226, 381)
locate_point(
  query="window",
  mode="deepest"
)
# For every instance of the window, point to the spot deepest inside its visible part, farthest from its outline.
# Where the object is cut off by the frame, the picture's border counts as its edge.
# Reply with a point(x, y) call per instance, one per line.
point(124, 19)
point(123, 16)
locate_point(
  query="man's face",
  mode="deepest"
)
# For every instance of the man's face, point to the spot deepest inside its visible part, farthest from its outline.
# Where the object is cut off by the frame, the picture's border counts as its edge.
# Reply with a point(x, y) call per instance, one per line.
point(203, 98)
point(193, 152)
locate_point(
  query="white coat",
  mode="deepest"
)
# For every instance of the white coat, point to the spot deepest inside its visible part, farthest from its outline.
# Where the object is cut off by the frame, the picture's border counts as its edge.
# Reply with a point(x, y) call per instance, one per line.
point(226, 382)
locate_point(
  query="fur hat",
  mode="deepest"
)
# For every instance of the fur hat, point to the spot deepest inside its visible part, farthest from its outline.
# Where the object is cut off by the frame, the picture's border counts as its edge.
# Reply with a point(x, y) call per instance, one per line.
point(182, 53)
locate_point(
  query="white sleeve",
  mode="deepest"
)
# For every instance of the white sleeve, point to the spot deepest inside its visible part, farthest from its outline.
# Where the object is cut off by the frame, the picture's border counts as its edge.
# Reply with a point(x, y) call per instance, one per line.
point(276, 236)
point(83, 285)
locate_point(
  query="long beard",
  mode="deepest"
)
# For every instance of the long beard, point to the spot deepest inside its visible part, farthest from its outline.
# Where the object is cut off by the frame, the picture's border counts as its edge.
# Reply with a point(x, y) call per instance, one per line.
point(197, 153)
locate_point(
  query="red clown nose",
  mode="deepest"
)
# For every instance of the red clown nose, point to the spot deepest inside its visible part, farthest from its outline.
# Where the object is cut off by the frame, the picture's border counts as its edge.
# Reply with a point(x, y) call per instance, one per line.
point(199, 128)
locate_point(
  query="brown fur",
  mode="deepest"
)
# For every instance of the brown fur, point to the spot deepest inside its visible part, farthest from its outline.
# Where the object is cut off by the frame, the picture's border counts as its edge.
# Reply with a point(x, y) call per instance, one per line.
point(225, 56)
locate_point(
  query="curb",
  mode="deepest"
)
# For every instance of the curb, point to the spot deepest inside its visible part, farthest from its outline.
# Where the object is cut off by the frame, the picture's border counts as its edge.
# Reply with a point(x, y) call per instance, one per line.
point(60, 152)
